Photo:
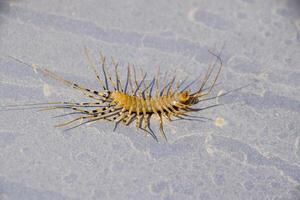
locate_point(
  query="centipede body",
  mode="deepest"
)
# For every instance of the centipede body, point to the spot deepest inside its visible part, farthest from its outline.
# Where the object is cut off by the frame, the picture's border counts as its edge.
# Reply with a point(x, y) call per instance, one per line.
point(133, 100)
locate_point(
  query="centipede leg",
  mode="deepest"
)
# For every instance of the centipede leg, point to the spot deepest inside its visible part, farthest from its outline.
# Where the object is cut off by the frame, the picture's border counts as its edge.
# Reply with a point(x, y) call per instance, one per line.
point(116, 125)
point(74, 120)
point(104, 71)
point(146, 120)
point(138, 121)
point(67, 114)
point(119, 83)
point(161, 128)
point(119, 119)
point(151, 88)
point(108, 76)
point(171, 85)
point(130, 79)
point(130, 119)
point(145, 92)
point(157, 82)
point(150, 129)
point(139, 85)
point(87, 54)
point(94, 118)
point(134, 76)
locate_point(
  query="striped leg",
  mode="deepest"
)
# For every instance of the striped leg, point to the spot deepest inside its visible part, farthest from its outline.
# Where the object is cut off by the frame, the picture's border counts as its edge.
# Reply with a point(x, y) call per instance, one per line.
point(161, 128)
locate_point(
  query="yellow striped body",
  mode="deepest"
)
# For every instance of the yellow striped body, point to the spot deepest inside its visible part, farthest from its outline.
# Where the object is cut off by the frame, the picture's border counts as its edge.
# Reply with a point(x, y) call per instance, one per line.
point(141, 105)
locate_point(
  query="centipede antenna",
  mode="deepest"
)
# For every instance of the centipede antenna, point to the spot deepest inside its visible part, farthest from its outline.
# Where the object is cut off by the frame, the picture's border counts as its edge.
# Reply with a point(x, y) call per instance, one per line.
point(204, 89)
point(187, 119)
point(204, 108)
point(206, 77)
point(151, 131)
point(178, 85)
point(212, 69)
point(218, 73)
point(189, 85)
point(198, 117)
point(226, 93)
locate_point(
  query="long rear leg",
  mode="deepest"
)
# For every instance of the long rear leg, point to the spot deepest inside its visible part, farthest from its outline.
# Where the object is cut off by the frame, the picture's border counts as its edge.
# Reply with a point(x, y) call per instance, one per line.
point(95, 117)
point(51, 106)
point(92, 64)
point(90, 93)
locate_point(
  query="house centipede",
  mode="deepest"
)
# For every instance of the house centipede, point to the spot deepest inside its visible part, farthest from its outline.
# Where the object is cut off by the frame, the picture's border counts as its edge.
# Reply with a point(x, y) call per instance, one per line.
point(132, 101)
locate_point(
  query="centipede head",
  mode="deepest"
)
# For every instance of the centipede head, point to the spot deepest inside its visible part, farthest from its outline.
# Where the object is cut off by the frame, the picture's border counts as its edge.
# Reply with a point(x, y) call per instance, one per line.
point(195, 98)
point(183, 96)
point(186, 98)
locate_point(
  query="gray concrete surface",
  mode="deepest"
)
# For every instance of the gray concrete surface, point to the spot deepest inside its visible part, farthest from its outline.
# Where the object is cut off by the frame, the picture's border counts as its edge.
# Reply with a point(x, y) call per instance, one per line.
point(255, 154)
